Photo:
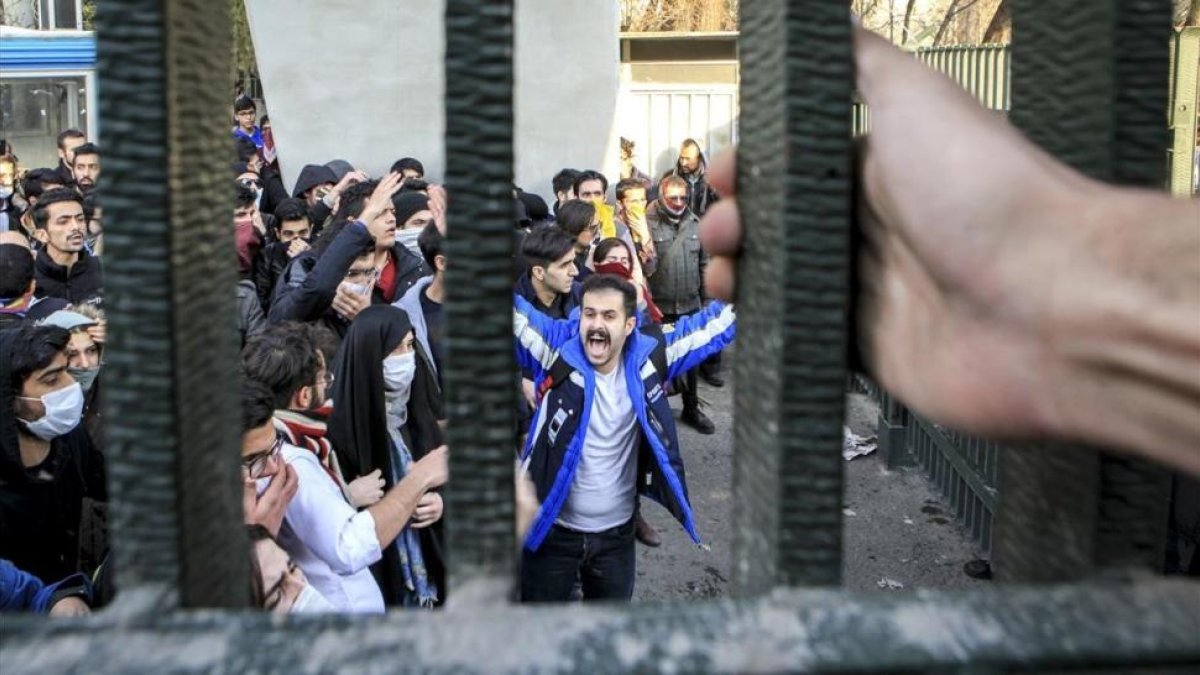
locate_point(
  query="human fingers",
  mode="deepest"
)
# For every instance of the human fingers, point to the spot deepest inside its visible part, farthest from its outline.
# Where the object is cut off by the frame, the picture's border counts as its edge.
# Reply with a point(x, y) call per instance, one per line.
point(721, 228)
point(722, 172)
point(291, 482)
point(720, 278)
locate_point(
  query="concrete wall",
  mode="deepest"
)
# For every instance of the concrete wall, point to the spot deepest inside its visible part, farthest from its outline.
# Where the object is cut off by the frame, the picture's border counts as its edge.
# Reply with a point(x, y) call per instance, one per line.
point(363, 80)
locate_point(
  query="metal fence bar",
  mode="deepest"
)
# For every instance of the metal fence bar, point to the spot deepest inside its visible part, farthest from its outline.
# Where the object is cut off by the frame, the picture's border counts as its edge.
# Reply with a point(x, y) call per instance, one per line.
point(796, 84)
point(172, 419)
point(1068, 72)
point(1097, 628)
point(480, 386)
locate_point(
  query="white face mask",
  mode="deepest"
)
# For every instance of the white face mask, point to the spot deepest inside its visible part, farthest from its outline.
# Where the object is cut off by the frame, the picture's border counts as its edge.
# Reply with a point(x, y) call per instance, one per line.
point(64, 408)
point(311, 602)
point(409, 239)
point(6, 192)
point(398, 373)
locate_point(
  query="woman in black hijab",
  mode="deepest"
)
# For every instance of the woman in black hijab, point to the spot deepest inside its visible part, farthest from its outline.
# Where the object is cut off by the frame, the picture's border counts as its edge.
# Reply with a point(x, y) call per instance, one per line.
point(385, 417)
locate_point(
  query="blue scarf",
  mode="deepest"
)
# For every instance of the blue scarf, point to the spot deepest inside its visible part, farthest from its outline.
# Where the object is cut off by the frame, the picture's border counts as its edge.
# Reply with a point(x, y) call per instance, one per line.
point(421, 591)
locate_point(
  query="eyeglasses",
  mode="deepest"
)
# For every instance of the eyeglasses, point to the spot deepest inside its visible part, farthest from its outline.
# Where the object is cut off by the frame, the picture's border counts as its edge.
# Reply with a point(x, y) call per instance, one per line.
point(256, 462)
point(675, 198)
point(327, 378)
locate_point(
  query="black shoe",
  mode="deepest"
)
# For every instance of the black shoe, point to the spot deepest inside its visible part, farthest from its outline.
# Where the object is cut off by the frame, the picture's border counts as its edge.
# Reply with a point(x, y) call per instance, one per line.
point(713, 379)
point(698, 421)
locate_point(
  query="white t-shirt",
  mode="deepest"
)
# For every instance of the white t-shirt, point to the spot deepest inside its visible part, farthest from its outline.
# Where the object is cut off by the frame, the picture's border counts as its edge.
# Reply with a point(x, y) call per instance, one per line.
point(602, 495)
point(328, 539)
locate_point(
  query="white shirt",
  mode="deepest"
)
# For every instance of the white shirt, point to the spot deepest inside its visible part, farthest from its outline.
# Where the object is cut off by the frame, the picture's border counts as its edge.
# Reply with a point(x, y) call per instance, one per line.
point(329, 540)
point(602, 495)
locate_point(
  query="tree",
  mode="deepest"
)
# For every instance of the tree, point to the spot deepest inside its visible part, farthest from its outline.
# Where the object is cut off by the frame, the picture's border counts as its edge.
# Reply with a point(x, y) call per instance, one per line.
point(678, 15)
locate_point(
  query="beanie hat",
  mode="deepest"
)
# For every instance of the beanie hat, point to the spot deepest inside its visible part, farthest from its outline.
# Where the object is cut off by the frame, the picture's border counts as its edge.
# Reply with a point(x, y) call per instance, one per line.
point(408, 203)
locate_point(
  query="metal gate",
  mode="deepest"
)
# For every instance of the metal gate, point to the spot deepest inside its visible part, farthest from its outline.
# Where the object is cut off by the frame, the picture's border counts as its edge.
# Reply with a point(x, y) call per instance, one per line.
point(175, 500)
point(657, 118)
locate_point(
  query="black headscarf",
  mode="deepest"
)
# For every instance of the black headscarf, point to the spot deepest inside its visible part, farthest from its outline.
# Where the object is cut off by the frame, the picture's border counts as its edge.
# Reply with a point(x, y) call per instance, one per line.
point(358, 426)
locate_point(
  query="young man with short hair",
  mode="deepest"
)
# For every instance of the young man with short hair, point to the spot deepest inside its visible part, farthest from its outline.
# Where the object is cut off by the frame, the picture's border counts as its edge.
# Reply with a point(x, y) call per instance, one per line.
point(563, 184)
point(360, 264)
point(63, 267)
point(332, 541)
point(244, 112)
point(68, 141)
point(85, 170)
point(48, 463)
point(603, 433)
point(293, 235)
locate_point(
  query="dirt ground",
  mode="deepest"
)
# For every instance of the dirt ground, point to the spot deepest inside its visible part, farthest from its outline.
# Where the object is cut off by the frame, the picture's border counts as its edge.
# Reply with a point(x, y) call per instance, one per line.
point(898, 533)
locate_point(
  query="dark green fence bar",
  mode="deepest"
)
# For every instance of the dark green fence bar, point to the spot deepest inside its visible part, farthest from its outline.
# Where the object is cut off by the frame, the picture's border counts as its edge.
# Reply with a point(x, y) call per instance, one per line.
point(480, 384)
point(1090, 627)
point(794, 191)
point(170, 381)
point(1078, 75)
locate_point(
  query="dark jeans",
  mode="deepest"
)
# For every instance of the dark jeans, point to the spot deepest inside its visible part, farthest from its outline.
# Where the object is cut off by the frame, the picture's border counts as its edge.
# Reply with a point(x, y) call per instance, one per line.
point(603, 563)
point(687, 384)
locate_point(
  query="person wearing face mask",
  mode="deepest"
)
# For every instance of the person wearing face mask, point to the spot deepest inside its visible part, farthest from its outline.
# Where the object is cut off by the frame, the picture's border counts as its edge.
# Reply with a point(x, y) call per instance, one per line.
point(329, 539)
point(292, 236)
point(383, 419)
point(676, 276)
point(355, 263)
point(48, 464)
point(83, 363)
point(277, 584)
point(287, 359)
point(412, 215)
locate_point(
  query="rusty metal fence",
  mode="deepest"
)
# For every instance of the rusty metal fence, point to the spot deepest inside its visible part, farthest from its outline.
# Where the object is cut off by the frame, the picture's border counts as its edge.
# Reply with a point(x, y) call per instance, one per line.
point(175, 491)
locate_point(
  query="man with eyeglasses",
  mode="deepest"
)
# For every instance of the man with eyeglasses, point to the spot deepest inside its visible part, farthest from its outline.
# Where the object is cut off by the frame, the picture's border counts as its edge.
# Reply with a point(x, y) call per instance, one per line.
point(324, 530)
point(676, 276)
point(360, 263)
point(244, 112)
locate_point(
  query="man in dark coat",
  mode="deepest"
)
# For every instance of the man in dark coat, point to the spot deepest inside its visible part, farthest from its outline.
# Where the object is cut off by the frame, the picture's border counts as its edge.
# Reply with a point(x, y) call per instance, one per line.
point(356, 263)
point(48, 464)
point(63, 268)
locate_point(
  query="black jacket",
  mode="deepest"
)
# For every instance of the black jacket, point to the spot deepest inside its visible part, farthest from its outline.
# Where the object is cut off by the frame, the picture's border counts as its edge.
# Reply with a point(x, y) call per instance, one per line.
point(81, 284)
point(41, 506)
point(308, 285)
point(269, 264)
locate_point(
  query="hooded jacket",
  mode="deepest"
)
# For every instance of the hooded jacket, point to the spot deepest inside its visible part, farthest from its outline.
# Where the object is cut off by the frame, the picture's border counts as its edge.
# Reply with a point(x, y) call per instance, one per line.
point(557, 435)
point(81, 284)
point(311, 176)
point(308, 285)
point(40, 506)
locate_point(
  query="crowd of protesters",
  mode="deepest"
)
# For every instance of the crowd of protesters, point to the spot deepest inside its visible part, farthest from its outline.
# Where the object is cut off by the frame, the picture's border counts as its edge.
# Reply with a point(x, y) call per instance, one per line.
point(340, 311)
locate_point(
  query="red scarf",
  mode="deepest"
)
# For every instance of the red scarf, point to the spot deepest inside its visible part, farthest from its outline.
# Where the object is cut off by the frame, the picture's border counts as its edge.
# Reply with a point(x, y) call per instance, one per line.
point(307, 430)
point(622, 271)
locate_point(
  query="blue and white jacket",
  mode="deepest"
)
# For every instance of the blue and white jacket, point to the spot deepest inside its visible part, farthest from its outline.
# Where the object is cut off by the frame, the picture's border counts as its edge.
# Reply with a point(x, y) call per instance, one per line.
point(555, 442)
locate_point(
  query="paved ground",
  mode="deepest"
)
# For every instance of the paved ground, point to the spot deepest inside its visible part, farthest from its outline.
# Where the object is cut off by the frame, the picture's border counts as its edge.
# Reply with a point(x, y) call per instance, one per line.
point(898, 532)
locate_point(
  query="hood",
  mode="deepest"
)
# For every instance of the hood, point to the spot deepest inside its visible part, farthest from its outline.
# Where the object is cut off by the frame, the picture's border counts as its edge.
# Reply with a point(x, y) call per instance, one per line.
point(311, 176)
